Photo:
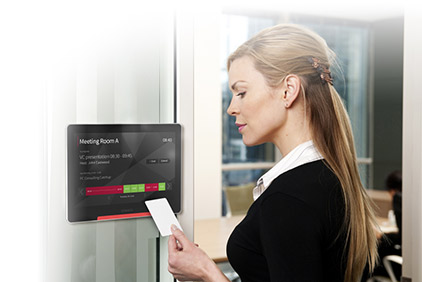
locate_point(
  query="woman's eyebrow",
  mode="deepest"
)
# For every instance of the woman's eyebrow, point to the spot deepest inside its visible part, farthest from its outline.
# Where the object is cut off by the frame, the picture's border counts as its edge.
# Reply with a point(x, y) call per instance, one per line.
point(233, 87)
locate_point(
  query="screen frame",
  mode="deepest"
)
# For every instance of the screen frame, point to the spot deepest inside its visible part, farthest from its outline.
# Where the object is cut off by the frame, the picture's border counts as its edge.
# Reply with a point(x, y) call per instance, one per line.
point(72, 216)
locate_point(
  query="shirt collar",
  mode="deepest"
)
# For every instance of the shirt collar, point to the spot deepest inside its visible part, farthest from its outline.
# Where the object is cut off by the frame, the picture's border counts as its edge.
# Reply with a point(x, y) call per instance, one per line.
point(302, 154)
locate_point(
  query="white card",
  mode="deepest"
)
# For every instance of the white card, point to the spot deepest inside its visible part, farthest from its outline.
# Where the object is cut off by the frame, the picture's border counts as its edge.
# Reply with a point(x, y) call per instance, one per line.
point(163, 215)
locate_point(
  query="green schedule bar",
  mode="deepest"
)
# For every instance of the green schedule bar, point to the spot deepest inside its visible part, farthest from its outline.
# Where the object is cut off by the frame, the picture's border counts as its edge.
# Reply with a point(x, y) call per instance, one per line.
point(141, 187)
point(127, 188)
point(137, 188)
point(162, 186)
point(134, 188)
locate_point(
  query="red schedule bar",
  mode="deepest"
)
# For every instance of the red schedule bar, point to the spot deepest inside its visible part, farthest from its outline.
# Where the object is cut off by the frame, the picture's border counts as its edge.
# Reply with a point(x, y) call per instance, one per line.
point(151, 187)
point(104, 190)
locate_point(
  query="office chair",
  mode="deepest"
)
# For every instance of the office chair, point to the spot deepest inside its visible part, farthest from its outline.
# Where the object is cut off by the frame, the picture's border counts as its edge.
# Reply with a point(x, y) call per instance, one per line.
point(239, 198)
point(387, 261)
point(227, 269)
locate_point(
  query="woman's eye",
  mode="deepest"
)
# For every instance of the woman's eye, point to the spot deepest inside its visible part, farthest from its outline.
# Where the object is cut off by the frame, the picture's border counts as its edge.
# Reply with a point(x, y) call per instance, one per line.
point(241, 94)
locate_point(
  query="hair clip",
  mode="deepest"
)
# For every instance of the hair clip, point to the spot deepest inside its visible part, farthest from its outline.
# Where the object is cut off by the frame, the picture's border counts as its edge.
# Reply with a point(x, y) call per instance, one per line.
point(324, 71)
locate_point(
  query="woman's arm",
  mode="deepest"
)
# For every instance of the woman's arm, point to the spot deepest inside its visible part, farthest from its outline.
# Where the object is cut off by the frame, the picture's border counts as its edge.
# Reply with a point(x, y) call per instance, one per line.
point(188, 262)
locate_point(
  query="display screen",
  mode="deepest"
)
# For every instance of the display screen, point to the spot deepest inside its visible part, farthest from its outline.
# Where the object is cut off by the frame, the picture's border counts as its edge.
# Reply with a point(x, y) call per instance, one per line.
point(114, 169)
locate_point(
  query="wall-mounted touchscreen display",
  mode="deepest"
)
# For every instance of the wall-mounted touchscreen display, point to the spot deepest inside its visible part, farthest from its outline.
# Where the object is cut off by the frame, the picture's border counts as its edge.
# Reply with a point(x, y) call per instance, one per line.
point(114, 169)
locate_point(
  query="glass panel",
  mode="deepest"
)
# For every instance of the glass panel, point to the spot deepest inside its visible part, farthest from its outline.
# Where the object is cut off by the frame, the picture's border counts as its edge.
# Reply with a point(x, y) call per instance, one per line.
point(124, 77)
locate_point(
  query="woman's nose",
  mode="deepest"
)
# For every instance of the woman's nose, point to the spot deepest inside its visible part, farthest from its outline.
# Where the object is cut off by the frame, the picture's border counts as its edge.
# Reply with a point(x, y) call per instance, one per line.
point(232, 109)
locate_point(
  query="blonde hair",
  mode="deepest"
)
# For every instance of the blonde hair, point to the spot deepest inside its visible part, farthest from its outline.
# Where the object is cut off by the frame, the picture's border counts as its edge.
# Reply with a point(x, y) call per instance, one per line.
point(285, 49)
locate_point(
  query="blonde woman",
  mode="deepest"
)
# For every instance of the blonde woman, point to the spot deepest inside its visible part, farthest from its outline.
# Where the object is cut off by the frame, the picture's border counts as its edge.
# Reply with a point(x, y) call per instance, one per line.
point(311, 219)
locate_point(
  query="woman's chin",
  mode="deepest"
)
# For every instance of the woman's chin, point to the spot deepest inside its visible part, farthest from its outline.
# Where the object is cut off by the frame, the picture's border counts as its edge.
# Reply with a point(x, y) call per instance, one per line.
point(251, 142)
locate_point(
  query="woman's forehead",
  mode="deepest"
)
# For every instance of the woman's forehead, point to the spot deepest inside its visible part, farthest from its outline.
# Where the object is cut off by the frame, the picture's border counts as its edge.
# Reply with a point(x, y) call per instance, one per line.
point(243, 70)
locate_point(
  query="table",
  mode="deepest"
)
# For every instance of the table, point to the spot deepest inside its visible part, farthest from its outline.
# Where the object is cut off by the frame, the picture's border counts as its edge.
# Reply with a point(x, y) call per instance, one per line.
point(382, 200)
point(385, 226)
point(212, 234)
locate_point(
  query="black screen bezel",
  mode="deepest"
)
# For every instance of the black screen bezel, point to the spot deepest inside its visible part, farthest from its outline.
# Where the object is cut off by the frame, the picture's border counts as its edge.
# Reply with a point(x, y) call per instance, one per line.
point(173, 196)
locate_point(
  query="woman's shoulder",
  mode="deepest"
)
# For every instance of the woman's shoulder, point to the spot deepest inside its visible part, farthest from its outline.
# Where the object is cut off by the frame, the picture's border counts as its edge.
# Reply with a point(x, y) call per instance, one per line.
point(312, 183)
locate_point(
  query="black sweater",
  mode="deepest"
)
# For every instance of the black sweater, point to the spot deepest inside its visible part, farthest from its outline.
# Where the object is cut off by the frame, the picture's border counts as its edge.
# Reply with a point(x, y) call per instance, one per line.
point(290, 231)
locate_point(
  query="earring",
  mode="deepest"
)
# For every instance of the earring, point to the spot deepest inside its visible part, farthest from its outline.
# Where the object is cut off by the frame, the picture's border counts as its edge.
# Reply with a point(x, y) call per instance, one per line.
point(285, 96)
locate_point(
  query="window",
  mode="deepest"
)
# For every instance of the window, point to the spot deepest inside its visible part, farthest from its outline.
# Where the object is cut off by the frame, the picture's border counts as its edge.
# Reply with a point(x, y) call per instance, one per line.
point(241, 164)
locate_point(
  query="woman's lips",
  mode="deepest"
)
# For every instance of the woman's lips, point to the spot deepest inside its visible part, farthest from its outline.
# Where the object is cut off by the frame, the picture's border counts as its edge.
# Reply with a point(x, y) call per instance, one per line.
point(240, 126)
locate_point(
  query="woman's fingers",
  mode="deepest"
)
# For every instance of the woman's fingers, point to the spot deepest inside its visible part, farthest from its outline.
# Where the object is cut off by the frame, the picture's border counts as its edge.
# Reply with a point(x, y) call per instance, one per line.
point(173, 253)
point(180, 239)
point(172, 243)
point(185, 261)
point(180, 236)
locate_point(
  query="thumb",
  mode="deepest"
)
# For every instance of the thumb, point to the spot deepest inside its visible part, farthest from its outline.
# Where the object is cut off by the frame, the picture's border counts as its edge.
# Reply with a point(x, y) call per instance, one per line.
point(179, 235)
point(173, 245)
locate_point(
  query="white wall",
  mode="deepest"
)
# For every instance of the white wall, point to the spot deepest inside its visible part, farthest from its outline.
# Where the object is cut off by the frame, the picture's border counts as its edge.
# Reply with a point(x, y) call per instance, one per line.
point(207, 115)
point(185, 115)
point(412, 142)
point(23, 148)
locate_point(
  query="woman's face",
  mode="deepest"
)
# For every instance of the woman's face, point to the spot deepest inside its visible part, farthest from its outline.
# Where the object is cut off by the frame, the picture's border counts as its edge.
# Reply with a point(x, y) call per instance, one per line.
point(259, 109)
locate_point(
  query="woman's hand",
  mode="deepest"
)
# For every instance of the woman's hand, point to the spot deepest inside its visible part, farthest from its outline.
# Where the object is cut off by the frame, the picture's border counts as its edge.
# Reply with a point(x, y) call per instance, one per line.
point(188, 262)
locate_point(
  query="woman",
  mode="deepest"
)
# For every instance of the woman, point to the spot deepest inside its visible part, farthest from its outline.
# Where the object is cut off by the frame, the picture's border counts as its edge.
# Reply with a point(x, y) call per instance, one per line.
point(311, 219)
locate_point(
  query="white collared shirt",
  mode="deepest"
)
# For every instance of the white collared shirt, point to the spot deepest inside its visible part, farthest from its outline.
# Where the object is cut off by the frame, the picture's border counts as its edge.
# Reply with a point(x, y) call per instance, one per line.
point(302, 154)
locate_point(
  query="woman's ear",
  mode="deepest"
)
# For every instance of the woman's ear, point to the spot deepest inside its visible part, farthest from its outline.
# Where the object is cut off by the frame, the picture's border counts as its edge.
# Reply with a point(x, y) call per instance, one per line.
point(291, 89)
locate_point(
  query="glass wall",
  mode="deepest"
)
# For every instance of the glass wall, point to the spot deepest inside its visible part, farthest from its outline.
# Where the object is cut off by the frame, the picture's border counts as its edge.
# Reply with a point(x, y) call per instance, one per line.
point(120, 70)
